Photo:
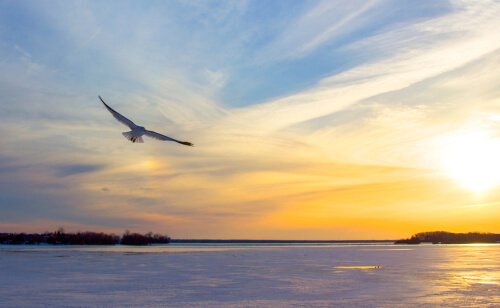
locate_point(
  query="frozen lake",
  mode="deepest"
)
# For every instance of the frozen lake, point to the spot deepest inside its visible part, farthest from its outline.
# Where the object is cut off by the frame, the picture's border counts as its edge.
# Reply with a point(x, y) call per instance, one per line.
point(250, 276)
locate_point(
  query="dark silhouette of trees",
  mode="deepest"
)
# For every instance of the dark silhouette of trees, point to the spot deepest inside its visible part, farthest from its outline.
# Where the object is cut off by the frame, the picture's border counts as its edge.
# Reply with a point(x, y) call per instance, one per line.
point(81, 238)
point(443, 237)
point(139, 239)
point(134, 239)
point(411, 240)
point(160, 239)
point(60, 237)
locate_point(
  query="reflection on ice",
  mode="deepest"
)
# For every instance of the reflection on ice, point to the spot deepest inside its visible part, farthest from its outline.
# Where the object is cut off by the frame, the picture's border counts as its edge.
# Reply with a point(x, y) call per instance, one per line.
point(471, 278)
point(120, 249)
point(258, 276)
point(363, 267)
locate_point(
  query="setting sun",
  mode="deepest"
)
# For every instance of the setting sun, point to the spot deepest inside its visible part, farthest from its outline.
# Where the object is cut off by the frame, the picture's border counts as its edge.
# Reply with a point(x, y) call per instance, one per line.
point(471, 159)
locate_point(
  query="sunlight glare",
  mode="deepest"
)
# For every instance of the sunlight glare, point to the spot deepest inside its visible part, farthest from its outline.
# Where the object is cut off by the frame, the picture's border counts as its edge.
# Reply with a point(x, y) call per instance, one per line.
point(473, 160)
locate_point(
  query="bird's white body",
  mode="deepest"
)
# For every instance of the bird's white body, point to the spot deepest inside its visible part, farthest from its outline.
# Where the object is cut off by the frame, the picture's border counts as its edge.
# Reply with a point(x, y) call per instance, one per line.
point(136, 133)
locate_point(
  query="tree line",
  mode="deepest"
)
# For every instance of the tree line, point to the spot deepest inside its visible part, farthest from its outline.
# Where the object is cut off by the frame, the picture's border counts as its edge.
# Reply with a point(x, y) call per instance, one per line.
point(443, 237)
point(60, 237)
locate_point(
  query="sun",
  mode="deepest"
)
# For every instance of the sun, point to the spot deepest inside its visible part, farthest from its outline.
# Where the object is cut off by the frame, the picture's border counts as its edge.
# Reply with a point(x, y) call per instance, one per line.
point(472, 159)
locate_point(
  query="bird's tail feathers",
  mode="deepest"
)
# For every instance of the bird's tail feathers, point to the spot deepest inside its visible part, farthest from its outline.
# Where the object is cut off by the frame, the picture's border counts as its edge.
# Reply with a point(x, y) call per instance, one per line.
point(132, 138)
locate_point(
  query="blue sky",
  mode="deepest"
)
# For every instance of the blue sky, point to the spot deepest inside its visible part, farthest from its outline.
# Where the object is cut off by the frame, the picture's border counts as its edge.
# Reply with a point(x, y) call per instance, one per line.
point(273, 93)
point(247, 51)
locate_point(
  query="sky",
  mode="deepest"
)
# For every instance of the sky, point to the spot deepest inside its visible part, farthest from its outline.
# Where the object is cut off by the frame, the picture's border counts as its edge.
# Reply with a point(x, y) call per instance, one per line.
point(310, 119)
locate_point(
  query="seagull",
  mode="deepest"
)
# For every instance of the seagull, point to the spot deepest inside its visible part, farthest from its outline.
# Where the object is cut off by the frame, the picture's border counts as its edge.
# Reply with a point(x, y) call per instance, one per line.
point(136, 133)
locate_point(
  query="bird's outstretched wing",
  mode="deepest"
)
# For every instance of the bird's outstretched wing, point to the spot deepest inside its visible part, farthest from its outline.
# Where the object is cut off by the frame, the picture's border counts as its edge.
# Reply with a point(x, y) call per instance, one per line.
point(155, 135)
point(118, 116)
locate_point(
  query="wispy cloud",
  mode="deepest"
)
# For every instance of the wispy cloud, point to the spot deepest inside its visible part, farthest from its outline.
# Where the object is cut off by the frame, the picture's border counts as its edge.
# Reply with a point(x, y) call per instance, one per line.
point(322, 23)
point(68, 170)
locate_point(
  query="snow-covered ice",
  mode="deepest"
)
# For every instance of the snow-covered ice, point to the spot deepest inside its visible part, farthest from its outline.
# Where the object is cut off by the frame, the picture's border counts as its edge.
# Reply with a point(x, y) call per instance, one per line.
point(250, 276)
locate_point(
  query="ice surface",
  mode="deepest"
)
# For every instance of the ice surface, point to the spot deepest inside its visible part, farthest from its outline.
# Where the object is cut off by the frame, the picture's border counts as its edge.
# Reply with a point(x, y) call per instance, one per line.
point(250, 276)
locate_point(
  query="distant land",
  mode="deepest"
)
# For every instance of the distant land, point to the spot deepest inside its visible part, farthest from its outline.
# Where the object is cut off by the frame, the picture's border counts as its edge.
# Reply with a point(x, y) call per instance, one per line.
point(443, 237)
point(60, 237)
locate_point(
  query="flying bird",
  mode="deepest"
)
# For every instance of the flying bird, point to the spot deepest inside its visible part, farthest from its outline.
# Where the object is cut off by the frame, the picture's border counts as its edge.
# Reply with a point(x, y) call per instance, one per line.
point(136, 133)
